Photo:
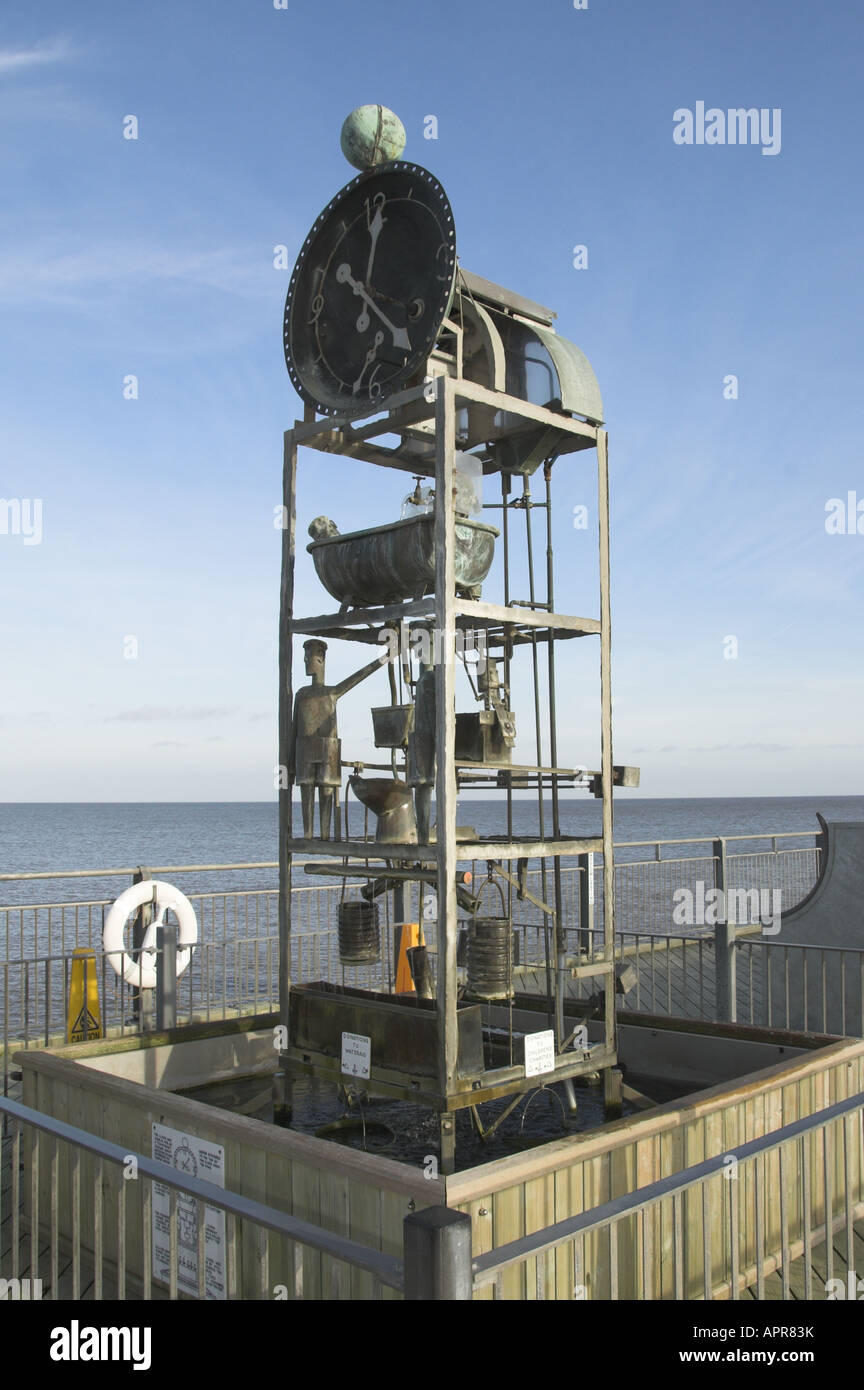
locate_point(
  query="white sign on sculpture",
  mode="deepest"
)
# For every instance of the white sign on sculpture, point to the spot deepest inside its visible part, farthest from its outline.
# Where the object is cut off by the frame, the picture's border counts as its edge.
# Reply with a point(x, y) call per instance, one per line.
point(356, 1055)
point(539, 1053)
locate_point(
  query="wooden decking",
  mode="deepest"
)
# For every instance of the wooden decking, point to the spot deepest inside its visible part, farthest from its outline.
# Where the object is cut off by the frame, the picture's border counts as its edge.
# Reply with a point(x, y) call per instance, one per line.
point(819, 1270)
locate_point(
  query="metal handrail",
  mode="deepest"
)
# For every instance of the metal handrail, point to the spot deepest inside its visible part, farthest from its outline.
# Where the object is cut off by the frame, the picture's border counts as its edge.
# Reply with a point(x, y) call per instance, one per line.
point(487, 1266)
point(386, 1268)
point(123, 873)
point(274, 863)
point(711, 839)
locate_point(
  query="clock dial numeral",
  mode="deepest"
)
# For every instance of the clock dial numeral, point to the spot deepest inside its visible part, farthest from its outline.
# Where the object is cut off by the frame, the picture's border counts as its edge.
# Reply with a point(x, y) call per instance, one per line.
point(378, 202)
point(370, 358)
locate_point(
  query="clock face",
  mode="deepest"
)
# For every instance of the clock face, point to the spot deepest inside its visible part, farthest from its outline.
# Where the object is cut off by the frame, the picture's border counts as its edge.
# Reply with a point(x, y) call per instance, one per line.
point(370, 289)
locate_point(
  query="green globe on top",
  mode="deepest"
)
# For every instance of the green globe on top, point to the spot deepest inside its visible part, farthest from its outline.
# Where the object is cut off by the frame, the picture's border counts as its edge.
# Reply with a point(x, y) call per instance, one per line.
point(372, 135)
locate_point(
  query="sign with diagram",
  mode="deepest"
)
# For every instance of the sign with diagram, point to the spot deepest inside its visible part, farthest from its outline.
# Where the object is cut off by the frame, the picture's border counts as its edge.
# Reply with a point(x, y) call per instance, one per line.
point(356, 1055)
point(199, 1159)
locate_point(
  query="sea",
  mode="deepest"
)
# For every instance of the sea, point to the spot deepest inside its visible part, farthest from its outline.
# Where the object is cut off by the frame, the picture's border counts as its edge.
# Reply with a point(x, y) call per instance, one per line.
point(80, 836)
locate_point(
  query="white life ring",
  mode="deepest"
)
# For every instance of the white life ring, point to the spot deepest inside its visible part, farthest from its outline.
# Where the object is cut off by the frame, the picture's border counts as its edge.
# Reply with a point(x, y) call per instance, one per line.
point(142, 972)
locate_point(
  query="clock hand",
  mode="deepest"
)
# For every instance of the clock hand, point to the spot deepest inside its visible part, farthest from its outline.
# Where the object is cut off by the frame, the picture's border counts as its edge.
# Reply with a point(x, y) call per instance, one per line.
point(400, 335)
point(374, 232)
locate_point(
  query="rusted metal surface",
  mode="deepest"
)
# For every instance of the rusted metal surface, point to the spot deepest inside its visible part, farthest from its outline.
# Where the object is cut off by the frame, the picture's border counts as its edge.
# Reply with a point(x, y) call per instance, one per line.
point(402, 1034)
point(387, 564)
point(392, 725)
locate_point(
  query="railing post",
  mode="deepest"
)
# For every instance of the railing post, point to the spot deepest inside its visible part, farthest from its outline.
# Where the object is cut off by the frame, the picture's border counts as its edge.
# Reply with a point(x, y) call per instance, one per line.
point(586, 903)
point(437, 1243)
point(142, 1005)
point(724, 944)
point(166, 978)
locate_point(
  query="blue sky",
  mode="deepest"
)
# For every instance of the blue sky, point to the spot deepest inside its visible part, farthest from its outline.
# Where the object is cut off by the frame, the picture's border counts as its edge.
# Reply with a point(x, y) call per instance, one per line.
point(154, 257)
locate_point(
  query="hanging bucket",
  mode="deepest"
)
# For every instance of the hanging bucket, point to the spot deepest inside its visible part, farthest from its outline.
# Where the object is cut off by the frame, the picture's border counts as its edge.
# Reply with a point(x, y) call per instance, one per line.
point(490, 959)
point(359, 934)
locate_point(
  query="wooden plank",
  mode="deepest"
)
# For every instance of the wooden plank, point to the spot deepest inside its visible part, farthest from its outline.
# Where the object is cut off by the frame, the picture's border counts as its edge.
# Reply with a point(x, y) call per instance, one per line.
point(364, 1224)
point(564, 1205)
point(221, 1126)
point(246, 1171)
point(671, 1161)
point(311, 432)
point(393, 1210)
point(692, 1214)
point(508, 1223)
point(499, 400)
point(306, 1204)
point(482, 613)
point(622, 1179)
point(334, 1210)
point(366, 617)
point(465, 1186)
point(480, 1212)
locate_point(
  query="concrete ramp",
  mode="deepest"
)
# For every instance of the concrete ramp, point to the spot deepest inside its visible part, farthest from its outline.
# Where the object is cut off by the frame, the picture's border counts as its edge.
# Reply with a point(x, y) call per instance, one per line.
point(825, 985)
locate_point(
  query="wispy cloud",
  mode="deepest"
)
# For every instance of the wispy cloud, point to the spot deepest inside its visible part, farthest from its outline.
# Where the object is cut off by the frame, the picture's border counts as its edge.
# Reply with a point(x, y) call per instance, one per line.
point(16, 59)
point(49, 272)
point(152, 714)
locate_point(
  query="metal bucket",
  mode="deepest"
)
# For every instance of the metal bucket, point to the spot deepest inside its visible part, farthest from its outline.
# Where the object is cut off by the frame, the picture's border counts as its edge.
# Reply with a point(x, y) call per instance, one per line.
point(359, 933)
point(490, 958)
point(392, 724)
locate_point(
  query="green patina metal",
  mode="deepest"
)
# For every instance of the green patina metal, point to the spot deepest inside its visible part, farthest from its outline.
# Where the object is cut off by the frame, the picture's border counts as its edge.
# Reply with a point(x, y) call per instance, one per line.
point(372, 135)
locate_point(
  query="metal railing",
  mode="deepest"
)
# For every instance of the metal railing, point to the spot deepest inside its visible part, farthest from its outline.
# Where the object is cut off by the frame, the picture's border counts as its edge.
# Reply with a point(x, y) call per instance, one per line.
point(91, 1234)
point(766, 1208)
point(783, 1208)
point(235, 966)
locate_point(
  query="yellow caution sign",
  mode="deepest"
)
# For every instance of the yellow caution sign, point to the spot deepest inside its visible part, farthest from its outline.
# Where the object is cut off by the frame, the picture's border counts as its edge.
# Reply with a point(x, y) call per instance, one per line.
point(83, 1020)
point(408, 935)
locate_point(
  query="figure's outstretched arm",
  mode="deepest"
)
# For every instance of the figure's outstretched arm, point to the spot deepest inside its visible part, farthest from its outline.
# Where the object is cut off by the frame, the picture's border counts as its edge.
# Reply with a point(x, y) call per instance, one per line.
point(350, 681)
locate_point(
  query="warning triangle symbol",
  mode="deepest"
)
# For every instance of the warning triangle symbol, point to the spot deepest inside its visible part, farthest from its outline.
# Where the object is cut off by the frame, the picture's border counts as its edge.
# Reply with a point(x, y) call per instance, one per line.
point(85, 1025)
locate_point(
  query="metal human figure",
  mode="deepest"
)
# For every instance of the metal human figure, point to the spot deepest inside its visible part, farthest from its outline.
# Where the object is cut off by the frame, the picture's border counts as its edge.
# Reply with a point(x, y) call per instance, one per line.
point(316, 749)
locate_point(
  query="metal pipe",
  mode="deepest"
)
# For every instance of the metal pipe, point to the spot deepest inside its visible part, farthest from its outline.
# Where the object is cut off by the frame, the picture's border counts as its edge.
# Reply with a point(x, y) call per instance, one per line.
point(166, 978)
point(551, 978)
point(561, 940)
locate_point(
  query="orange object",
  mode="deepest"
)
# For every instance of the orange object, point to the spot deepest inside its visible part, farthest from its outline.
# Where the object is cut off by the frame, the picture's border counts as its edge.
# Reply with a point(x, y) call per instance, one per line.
point(408, 935)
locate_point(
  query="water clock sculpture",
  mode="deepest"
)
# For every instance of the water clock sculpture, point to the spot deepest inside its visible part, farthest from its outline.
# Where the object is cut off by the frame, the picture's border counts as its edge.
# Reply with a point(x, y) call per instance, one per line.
point(387, 337)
